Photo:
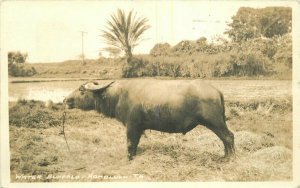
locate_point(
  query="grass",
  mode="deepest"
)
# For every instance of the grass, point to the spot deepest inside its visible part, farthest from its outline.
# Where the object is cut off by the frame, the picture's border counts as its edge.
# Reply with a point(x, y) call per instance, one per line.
point(263, 137)
point(102, 68)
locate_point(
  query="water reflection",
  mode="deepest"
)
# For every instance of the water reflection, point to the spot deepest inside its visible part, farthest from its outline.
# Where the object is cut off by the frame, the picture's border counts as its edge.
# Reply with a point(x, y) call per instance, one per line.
point(55, 91)
point(41, 95)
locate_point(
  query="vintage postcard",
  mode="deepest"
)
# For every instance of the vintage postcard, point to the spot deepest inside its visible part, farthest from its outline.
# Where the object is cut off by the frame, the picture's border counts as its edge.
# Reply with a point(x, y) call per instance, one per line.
point(180, 93)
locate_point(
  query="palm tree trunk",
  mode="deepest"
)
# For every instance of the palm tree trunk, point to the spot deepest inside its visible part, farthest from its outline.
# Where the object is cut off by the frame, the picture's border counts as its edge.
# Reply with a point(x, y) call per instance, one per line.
point(129, 54)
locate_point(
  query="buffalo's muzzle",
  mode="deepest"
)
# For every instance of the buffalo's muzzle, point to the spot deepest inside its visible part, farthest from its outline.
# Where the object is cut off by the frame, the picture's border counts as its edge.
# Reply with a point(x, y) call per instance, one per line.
point(69, 103)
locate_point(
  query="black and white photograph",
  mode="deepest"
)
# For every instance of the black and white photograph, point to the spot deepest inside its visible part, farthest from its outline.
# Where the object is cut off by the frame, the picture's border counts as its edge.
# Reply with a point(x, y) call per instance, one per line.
point(198, 92)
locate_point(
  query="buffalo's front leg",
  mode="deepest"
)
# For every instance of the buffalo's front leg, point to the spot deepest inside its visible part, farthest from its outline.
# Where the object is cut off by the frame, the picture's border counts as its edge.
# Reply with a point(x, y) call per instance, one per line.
point(133, 139)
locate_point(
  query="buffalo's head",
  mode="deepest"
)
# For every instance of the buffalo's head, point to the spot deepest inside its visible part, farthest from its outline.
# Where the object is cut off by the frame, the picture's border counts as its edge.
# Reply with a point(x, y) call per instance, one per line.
point(86, 96)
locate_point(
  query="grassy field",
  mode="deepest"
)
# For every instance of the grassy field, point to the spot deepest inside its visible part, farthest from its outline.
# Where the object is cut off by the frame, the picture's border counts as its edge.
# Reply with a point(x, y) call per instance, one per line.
point(103, 69)
point(263, 137)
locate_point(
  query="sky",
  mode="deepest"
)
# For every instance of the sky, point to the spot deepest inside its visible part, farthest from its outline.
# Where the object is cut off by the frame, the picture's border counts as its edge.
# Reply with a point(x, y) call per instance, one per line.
point(49, 31)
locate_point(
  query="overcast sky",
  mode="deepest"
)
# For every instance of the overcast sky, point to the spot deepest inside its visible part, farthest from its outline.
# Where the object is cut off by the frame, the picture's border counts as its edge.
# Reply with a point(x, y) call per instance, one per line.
point(49, 31)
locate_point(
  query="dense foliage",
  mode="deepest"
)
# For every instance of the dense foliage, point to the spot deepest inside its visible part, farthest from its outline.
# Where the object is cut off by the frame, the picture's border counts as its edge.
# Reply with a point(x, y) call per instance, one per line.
point(256, 57)
point(18, 70)
point(268, 22)
point(16, 66)
point(17, 57)
point(260, 45)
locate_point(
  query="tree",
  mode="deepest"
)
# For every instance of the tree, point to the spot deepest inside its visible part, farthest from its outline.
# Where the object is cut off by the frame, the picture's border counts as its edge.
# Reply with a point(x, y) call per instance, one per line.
point(202, 41)
point(275, 21)
point(10, 57)
point(17, 57)
point(161, 49)
point(249, 23)
point(123, 32)
point(16, 66)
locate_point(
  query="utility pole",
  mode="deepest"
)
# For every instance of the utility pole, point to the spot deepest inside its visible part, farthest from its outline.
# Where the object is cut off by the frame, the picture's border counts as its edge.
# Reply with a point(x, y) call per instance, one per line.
point(82, 51)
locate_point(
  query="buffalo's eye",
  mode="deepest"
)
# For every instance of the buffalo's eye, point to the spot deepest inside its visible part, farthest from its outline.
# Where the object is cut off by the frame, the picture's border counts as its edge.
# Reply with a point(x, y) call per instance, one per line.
point(81, 88)
point(81, 92)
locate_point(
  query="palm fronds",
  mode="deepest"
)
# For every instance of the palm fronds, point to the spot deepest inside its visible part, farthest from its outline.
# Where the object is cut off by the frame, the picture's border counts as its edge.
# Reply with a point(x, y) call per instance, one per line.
point(124, 32)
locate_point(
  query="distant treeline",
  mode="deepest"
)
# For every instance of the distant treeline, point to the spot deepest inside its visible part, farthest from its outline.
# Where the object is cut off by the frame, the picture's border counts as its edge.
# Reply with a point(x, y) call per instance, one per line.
point(254, 57)
point(260, 45)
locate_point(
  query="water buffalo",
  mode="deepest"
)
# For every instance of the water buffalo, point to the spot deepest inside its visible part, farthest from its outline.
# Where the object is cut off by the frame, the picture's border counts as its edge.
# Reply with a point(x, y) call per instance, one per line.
point(173, 106)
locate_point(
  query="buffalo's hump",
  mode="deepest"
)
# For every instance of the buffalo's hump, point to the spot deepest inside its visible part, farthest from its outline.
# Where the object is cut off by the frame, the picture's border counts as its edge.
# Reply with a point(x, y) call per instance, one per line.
point(161, 92)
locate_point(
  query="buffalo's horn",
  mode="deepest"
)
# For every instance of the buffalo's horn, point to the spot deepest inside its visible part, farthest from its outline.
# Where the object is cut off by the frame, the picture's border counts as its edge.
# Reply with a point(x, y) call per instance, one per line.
point(94, 86)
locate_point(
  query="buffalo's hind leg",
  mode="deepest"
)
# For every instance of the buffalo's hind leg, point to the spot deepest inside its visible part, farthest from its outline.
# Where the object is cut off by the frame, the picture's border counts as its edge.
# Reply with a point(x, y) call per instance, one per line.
point(227, 137)
point(133, 138)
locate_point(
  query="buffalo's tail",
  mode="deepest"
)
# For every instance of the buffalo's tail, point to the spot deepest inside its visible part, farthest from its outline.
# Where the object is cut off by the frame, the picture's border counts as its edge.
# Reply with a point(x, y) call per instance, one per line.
point(223, 106)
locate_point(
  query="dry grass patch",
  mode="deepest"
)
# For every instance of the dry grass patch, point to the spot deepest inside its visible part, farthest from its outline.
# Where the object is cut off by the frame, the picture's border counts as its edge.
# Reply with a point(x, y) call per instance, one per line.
point(98, 150)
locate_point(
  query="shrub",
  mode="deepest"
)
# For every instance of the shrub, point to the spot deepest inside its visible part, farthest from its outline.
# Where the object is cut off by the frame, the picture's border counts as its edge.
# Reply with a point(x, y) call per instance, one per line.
point(236, 63)
point(284, 54)
point(134, 68)
point(20, 70)
point(267, 46)
point(161, 49)
point(248, 63)
point(199, 46)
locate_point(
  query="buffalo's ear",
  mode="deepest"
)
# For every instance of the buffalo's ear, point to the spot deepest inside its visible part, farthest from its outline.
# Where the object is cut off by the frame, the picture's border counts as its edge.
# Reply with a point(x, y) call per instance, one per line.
point(96, 87)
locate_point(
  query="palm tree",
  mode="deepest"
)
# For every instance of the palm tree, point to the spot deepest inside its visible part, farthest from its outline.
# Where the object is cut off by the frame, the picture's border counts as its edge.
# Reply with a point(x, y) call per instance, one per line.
point(124, 32)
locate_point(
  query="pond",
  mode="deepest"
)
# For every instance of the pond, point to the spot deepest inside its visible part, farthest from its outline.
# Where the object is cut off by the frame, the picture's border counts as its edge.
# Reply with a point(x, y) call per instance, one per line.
point(232, 89)
point(43, 91)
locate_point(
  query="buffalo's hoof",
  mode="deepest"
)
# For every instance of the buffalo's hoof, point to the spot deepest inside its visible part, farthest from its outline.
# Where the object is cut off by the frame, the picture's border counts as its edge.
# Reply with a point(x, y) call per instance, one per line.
point(227, 158)
point(130, 157)
point(224, 159)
